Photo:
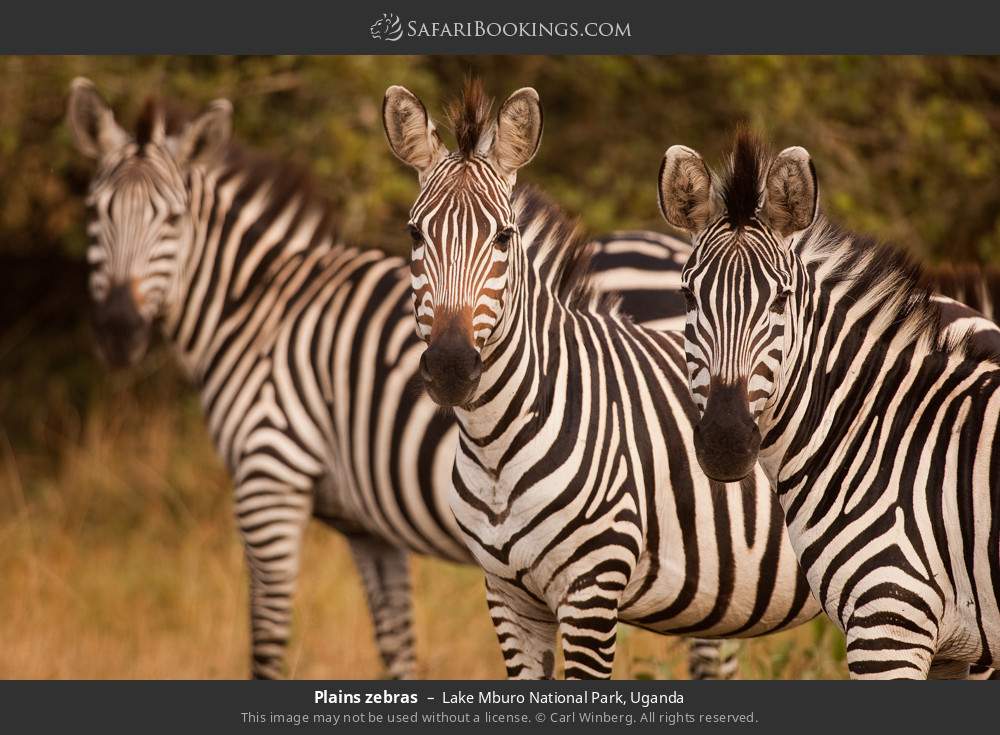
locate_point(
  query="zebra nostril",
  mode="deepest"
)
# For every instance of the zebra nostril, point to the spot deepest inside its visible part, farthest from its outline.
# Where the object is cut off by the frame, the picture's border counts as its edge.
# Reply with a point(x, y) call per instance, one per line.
point(477, 369)
point(424, 372)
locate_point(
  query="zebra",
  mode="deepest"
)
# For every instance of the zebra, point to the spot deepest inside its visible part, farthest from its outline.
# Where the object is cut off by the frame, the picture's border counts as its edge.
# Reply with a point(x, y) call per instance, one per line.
point(302, 349)
point(820, 355)
point(574, 479)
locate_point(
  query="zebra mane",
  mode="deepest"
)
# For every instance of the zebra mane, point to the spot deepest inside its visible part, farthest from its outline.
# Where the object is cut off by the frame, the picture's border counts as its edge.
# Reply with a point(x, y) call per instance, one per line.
point(256, 168)
point(743, 181)
point(289, 186)
point(559, 256)
point(887, 281)
point(283, 183)
point(883, 277)
point(559, 251)
point(156, 111)
point(469, 116)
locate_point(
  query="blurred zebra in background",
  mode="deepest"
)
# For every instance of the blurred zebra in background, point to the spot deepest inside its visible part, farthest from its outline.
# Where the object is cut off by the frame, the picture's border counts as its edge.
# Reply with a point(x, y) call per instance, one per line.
point(303, 351)
point(576, 485)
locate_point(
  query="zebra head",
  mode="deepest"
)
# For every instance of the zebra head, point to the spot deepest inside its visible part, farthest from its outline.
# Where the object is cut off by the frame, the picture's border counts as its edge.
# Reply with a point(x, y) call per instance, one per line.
point(737, 282)
point(462, 225)
point(140, 217)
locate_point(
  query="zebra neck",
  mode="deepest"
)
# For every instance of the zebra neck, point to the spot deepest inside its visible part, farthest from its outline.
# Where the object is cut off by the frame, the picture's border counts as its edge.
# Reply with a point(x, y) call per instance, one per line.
point(507, 399)
point(252, 243)
point(841, 341)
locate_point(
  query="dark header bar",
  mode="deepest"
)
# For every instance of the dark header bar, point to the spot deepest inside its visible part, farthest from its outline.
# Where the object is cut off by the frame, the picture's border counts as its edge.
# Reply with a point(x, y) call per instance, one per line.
point(513, 26)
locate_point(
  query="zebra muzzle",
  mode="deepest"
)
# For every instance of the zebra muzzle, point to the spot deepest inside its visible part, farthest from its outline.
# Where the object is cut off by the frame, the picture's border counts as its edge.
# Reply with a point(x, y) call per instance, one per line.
point(451, 368)
point(727, 440)
point(122, 333)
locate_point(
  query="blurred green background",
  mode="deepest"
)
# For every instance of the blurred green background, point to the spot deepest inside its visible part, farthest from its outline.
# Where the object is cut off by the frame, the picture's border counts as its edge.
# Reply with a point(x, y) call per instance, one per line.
point(907, 148)
point(115, 469)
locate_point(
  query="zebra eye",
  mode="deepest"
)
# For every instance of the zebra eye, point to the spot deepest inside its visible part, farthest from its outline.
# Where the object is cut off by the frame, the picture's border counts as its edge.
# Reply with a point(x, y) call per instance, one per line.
point(778, 306)
point(173, 220)
point(415, 234)
point(688, 298)
point(503, 237)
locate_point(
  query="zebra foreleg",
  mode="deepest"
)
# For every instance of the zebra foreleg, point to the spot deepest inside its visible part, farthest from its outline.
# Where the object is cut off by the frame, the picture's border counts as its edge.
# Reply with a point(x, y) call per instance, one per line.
point(385, 575)
point(272, 517)
point(588, 629)
point(527, 638)
point(713, 659)
point(888, 651)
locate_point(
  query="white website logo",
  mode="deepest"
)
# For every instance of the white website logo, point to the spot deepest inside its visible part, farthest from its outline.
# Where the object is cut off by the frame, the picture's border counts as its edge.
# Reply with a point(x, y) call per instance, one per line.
point(387, 28)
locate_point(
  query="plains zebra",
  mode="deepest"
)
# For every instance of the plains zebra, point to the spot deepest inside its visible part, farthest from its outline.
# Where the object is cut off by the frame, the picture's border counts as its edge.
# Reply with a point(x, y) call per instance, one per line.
point(303, 351)
point(574, 484)
point(822, 355)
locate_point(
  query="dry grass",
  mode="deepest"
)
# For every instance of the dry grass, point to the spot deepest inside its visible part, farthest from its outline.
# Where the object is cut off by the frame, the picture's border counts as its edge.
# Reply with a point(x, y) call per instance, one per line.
point(119, 559)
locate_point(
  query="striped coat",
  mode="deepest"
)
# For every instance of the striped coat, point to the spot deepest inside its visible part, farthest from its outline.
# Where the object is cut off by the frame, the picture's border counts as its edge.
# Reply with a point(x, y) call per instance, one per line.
point(825, 356)
point(575, 479)
point(302, 350)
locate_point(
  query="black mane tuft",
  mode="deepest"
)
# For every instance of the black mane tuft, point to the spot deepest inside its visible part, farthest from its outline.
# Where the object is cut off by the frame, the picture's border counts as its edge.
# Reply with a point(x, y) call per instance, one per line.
point(744, 181)
point(155, 110)
point(469, 116)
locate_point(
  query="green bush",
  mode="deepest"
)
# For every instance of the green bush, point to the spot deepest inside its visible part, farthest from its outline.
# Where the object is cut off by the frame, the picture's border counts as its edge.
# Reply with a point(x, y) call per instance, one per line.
point(907, 148)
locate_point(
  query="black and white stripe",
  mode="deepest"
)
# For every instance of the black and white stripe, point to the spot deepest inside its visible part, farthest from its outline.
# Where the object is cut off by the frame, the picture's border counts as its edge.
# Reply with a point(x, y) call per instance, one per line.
point(303, 351)
point(575, 479)
point(823, 355)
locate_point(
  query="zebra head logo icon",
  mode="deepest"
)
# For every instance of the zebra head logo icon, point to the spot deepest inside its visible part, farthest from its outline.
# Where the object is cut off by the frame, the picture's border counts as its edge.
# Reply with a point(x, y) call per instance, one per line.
point(387, 28)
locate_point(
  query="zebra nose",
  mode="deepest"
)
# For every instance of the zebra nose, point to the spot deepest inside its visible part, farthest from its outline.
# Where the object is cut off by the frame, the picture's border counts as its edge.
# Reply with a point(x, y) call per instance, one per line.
point(118, 312)
point(451, 369)
point(425, 374)
point(476, 371)
point(727, 440)
point(122, 332)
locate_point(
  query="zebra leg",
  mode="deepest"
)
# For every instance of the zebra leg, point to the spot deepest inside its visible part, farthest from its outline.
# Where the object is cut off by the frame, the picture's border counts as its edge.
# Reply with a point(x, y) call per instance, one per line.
point(888, 651)
point(588, 628)
point(527, 638)
point(713, 659)
point(272, 516)
point(385, 575)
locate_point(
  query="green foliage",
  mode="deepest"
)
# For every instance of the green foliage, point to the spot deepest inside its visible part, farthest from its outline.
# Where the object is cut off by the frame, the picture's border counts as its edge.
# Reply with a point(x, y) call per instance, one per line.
point(906, 147)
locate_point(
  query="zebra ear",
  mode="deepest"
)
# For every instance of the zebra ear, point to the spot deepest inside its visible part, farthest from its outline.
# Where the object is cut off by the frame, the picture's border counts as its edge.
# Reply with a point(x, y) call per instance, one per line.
point(518, 132)
point(410, 130)
point(791, 192)
point(93, 123)
point(688, 194)
point(204, 138)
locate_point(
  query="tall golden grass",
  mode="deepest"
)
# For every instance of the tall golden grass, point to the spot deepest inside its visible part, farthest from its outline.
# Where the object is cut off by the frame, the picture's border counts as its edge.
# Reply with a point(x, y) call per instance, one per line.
point(119, 558)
